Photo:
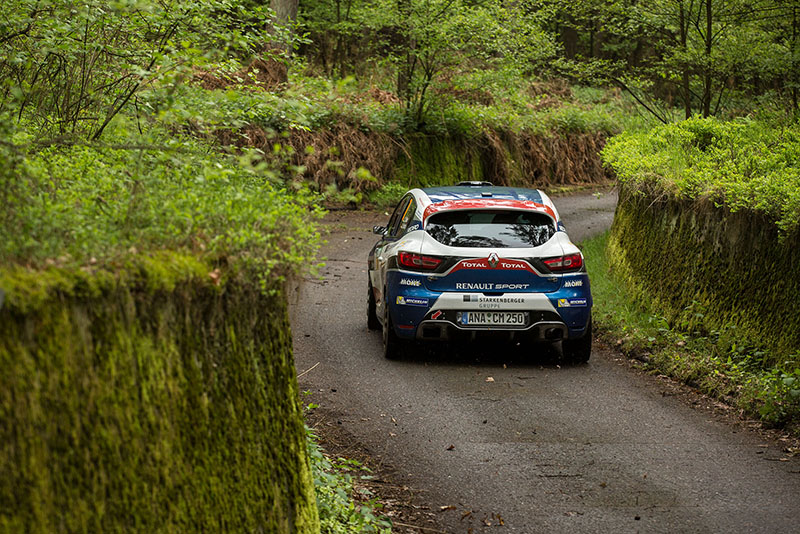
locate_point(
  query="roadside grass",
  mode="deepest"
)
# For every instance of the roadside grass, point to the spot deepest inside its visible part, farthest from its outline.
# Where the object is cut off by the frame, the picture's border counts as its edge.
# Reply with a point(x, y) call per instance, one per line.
point(714, 362)
point(345, 507)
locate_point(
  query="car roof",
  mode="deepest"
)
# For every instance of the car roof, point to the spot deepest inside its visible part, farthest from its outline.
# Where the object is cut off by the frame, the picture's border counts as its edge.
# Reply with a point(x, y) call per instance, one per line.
point(468, 192)
point(482, 195)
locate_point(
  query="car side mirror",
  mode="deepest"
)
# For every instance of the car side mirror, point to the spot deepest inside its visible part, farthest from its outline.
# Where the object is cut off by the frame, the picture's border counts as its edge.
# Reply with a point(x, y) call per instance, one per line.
point(380, 230)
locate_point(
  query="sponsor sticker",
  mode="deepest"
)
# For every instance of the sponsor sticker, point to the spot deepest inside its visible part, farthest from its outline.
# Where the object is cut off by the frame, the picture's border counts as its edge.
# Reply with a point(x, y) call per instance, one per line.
point(412, 301)
point(416, 225)
point(435, 315)
point(410, 282)
point(494, 262)
point(574, 283)
point(489, 286)
point(511, 286)
point(572, 303)
point(479, 287)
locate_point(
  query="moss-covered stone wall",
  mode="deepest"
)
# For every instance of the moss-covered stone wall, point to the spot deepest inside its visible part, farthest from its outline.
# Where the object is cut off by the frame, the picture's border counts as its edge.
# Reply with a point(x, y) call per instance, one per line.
point(710, 270)
point(154, 399)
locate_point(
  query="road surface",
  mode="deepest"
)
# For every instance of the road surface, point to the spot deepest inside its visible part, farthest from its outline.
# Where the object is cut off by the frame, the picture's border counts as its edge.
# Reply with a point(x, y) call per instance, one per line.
point(508, 441)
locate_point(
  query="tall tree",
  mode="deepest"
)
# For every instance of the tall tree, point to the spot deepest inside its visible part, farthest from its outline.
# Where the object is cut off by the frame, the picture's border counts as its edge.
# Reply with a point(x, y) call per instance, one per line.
point(703, 51)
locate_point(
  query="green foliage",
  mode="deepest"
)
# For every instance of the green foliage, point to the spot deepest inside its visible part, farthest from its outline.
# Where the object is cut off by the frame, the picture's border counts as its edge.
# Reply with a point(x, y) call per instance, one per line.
point(236, 108)
point(720, 362)
point(70, 68)
point(149, 400)
point(706, 57)
point(419, 40)
point(388, 195)
point(743, 165)
point(335, 485)
point(96, 203)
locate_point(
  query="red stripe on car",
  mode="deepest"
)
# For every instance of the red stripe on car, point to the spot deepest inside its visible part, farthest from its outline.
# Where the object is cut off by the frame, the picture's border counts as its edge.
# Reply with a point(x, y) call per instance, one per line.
point(487, 203)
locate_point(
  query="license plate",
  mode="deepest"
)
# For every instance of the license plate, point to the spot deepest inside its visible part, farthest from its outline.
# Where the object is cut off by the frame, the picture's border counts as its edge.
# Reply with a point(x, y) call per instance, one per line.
point(494, 318)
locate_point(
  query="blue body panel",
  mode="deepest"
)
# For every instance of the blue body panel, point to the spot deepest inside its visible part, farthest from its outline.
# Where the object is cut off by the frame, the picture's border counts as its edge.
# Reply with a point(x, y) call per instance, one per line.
point(413, 311)
point(410, 300)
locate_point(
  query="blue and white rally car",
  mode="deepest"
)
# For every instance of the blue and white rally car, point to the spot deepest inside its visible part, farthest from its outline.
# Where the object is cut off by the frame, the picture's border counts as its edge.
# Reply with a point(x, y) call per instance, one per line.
point(473, 261)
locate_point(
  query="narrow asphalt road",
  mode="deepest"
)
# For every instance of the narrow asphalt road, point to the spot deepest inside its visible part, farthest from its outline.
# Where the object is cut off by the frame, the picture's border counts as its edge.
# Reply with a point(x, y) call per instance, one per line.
point(538, 448)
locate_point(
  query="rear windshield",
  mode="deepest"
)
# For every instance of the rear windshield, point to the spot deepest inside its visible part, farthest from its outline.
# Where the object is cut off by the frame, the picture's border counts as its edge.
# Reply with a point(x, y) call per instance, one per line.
point(490, 228)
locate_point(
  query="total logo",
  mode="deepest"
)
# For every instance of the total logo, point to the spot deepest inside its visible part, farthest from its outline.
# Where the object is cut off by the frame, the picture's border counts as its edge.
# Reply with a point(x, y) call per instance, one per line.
point(494, 262)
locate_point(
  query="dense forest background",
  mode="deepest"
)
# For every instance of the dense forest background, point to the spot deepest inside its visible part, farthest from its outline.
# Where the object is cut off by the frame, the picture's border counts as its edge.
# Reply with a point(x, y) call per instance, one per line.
point(107, 105)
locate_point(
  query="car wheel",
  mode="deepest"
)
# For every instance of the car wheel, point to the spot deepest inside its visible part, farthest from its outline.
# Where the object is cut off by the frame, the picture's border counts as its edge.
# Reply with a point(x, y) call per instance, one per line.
point(392, 345)
point(372, 316)
point(578, 350)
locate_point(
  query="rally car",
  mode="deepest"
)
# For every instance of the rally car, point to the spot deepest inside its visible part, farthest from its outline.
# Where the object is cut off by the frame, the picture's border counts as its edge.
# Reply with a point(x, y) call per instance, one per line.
point(478, 261)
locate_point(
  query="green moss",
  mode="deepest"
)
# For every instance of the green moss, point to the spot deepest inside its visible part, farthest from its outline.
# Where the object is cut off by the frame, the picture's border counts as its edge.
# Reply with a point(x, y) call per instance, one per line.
point(28, 289)
point(710, 270)
point(164, 404)
point(434, 160)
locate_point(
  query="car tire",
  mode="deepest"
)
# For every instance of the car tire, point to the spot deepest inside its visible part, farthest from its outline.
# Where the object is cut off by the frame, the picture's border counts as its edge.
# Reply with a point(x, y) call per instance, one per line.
point(373, 323)
point(392, 345)
point(579, 350)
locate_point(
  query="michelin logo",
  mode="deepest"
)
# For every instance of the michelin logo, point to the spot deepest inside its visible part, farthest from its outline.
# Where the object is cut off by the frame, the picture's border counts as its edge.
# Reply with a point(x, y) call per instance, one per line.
point(572, 303)
point(574, 283)
point(412, 301)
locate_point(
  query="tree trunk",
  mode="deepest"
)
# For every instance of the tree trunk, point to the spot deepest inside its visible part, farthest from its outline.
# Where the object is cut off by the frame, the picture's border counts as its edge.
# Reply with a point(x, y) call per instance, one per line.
point(795, 75)
point(569, 35)
point(405, 69)
point(686, 89)
point(285, 15)
point(707, 74)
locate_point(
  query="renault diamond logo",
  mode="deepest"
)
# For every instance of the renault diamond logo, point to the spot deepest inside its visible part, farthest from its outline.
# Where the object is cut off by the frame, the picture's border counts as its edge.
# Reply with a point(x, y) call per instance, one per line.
point(493, 260)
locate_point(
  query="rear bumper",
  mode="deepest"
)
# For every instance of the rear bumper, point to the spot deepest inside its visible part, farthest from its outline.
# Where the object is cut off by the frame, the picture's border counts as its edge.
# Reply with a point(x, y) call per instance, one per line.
point(424, 315)
point(434, 330)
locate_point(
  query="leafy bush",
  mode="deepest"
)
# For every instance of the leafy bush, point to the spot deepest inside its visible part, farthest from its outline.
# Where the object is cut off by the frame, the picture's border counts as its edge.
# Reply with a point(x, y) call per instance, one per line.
point(743, 164)
point(335, 488)
point(388, 195)
point(85, 204)
point(70, 67)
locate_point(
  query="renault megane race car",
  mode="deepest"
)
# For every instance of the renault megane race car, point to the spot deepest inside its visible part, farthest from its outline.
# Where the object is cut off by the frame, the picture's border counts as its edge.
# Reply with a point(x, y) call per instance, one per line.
point(478, 261)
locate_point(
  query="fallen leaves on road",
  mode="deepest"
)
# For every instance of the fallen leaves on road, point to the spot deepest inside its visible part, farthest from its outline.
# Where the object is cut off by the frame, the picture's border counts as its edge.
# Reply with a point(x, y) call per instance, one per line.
point(489, 379)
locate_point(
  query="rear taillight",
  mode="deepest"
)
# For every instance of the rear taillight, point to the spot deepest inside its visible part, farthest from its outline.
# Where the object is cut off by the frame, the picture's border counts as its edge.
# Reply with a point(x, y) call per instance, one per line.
point(561, 264)
point(418, 262)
